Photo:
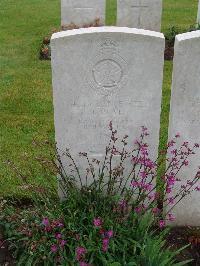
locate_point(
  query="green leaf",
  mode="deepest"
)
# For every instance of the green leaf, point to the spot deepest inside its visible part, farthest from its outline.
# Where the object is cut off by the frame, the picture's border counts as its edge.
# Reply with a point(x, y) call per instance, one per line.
point(114, 264)
point(183, 263)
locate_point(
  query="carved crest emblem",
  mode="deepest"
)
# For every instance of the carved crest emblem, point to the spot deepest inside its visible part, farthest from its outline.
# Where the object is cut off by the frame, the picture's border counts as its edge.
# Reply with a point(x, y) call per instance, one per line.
point(107, 69)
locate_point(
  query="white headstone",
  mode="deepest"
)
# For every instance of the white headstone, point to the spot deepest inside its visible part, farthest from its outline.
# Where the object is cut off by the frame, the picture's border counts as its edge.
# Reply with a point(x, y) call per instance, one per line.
point(101, 75)
point(198, 14)
point(82, 12)
point(141, 14)
point(185, 119)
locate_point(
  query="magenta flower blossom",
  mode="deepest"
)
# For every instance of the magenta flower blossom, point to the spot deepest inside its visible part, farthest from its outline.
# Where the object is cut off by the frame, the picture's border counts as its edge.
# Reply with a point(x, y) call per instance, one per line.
point(54, 248)
point(171, 200)
point(58, 235)
point(186, 163)
point(122, 204)
point(138, 209)
point(62, 243)
point(143, 174)
point(45, 221)
point(59, 224)
point(47, 229)
point(171, 143)
point(80, 253)
point(134, 184)
point(171, 180)
point(148, 187)
point(105, 244)
point(171, 217)
point(109, 233)
point(97, 222)
point(155, 210)
point(162, 223)
point(168, 190)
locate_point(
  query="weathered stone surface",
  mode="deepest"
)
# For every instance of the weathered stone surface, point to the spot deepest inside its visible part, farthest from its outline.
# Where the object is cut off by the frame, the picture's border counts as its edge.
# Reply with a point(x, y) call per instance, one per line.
point(82, 12)
point(101, 75)
point(198, 14)
point(141, 14)
point(185, 118)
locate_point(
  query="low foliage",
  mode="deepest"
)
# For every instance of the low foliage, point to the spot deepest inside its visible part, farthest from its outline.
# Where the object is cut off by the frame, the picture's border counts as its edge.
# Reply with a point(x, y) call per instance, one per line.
point(84, 232)
point(112, 216)
point(45, 48)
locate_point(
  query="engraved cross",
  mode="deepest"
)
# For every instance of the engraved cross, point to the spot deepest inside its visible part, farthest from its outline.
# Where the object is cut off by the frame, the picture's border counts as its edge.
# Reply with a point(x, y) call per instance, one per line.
point(140, 8)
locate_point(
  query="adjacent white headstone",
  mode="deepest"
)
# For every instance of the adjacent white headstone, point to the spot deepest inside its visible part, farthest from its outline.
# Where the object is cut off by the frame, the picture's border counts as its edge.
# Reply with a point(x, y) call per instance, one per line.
point(141, 14)
point(82, 12)
point(185, 118)
point(101, 75)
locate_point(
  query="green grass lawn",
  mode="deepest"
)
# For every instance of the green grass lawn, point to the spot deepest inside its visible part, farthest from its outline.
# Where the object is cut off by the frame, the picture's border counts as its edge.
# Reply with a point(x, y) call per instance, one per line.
point(26, 108)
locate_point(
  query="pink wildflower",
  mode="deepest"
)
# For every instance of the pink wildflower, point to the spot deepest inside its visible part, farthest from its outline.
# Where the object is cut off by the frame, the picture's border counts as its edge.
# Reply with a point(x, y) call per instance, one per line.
point(171, 180)
point(97, 222)
point(168, 190)
point(47, 229)
point(171, 200)
point(171, 217)
point(109, 234)
point(122, 204)
point(185, 162)
point(102, 231)
point(155, 210)
point(59, 224)
point(58, 235)
point(185, 144)
point(105, 244)
point(148, 187)
point(80, 252)
point(161, 223)
point(134, 184)
point(150, 164)
point(143, 174)
point(171, 143)
point(45, 221)
point(140, 208)
point(62, 243)
point(54, 248)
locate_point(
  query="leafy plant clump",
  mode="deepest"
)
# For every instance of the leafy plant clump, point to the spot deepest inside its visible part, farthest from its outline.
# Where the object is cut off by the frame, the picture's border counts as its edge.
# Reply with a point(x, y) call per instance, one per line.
point(111, 216)
point(170, 36)
point(84, 232)
point(45, 49)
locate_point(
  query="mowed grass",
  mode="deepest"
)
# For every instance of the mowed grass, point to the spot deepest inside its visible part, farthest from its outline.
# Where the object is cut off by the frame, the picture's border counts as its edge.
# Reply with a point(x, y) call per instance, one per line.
point(26, 108)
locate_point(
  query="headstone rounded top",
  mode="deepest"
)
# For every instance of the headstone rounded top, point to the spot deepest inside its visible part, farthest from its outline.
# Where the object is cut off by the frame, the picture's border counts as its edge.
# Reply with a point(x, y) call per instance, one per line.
point(106, 29)
point(188, 35)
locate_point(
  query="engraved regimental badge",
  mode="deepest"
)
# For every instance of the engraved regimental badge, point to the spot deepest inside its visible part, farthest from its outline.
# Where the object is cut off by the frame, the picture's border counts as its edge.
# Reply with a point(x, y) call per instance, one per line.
point(107, 70)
